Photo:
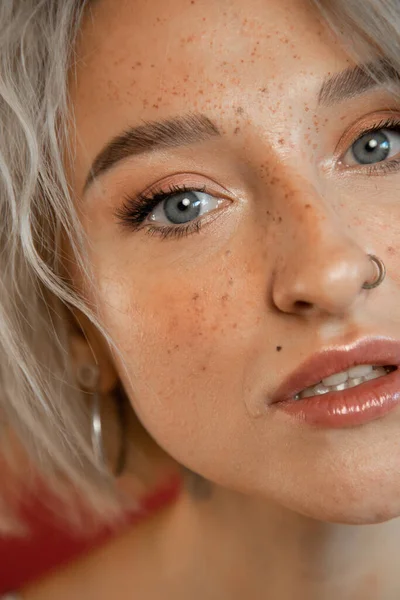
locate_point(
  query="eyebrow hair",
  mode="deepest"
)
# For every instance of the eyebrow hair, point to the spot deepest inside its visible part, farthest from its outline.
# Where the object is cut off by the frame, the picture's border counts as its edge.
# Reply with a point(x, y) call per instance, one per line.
point(357, 80)
point(152, 135)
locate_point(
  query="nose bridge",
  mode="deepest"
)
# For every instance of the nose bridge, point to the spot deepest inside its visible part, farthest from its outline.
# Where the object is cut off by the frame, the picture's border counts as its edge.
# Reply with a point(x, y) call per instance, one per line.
point(308, 218)
point(319, 265)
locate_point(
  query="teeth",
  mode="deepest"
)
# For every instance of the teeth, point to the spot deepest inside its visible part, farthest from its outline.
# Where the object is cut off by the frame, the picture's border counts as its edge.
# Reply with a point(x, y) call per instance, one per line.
point(356, 381)
point(336, 379)
point(374, 375)
point(345, 380)
point(306, 394)
point(320, 388)
point(360, 370)
point(342, 386)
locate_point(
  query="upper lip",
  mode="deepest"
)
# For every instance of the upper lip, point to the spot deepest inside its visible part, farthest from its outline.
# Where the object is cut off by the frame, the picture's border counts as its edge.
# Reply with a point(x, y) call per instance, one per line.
point(372, 351)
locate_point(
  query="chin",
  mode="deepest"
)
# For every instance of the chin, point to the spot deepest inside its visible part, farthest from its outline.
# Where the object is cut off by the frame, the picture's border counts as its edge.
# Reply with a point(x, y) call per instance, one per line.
point(349, 515)
point(361, 509)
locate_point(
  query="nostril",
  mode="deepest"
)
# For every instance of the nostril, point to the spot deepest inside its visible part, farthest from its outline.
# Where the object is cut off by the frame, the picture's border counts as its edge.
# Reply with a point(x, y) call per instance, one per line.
point(302, 305)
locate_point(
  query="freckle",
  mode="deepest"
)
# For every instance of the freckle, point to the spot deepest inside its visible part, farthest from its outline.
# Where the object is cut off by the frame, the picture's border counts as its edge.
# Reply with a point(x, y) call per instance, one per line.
point(278, 348)
point(391, 250)
point(176, 347)
point(204, 368)
point(281, 141)
point(228, 252)
point(155, 106)
point(236, 130)
point(307, 206)
point(230, 282)
point(239, 110)
point(279, 219)
point(225, 297)
point(195, 297)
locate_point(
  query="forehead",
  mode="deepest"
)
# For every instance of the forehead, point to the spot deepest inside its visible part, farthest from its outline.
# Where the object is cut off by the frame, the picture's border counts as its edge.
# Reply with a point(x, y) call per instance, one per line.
point(151, 59)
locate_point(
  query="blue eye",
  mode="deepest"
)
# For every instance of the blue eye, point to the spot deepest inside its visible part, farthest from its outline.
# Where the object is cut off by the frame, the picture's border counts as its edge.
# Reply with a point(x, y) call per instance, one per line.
point(173, 213)
point(182, 207)
point(373, 147)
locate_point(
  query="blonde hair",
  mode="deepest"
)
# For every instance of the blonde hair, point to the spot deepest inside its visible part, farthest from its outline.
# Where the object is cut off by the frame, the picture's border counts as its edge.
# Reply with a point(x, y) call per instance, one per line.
point(40, 402)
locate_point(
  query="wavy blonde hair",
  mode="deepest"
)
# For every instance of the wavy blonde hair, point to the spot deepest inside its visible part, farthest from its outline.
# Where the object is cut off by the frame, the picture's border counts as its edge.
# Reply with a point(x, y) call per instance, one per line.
point(41, 404)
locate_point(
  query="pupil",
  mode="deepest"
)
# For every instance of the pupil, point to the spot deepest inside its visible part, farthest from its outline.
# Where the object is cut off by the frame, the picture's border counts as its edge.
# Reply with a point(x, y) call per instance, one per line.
point(184, 204)
point(372, 144)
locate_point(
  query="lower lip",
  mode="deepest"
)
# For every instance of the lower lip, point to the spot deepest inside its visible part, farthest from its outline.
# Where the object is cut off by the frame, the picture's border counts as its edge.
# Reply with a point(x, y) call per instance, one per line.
point(364, 403)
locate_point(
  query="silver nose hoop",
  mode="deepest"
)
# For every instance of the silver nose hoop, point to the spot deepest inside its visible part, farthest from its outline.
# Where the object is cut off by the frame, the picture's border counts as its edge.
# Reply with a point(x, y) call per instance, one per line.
point(381, 273)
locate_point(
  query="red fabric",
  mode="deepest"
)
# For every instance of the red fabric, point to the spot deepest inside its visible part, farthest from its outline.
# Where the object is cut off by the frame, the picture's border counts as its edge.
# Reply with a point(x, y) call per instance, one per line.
point(23, 560)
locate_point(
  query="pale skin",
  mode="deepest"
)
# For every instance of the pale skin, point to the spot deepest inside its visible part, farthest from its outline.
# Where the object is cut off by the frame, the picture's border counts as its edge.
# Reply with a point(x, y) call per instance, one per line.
point(209, 324)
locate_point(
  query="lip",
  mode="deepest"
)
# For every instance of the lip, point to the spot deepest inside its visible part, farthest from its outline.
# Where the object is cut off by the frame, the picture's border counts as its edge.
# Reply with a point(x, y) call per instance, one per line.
point(370, 351)
point(354, 406)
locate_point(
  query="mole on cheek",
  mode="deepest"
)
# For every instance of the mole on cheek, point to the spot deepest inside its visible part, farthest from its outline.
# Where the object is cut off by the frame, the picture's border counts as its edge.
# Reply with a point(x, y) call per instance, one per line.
point(278, 348)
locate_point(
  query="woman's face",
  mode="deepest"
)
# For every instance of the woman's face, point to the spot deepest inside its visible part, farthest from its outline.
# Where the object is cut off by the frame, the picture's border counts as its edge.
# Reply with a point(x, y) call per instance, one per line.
point(215, 296)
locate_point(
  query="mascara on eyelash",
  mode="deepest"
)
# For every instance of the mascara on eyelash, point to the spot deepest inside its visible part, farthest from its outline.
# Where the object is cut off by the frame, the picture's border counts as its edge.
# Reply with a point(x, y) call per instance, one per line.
point(391, 123)
point(135, 209)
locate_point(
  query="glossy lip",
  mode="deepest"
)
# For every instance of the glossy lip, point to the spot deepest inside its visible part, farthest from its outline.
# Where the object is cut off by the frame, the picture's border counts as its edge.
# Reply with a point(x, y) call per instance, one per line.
point(372, 351)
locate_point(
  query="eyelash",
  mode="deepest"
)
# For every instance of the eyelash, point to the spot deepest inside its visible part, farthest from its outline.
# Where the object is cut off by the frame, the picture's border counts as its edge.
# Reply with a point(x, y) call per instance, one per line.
point(134, 211)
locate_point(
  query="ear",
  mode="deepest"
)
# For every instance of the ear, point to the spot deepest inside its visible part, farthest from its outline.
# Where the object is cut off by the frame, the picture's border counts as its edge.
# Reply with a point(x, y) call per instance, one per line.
point(88, 346)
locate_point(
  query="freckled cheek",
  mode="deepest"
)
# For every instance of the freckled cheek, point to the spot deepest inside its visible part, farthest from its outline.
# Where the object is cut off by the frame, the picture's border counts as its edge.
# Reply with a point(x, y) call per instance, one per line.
point(183, 325)
point(178, 333)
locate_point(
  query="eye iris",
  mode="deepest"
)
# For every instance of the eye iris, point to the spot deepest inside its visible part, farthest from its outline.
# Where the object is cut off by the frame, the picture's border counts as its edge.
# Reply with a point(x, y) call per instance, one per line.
point(371, 147)
point(182, 207)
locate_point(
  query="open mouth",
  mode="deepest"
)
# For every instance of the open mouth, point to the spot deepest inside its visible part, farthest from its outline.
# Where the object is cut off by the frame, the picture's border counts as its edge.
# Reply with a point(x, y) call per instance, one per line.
point(346, 379)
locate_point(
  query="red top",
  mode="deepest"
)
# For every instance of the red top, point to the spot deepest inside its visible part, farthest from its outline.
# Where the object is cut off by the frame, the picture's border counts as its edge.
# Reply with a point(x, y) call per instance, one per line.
point(23, 560)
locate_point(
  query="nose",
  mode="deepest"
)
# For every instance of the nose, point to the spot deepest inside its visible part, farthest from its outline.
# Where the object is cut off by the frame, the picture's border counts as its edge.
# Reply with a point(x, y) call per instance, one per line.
point(320, 268)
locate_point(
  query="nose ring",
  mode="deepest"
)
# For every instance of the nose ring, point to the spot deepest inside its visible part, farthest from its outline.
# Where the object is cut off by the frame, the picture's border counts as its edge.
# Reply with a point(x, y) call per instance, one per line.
point(381, 273)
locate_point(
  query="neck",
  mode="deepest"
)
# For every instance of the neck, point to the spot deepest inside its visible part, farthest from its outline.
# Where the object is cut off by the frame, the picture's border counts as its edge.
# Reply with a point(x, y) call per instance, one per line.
point(251, 548)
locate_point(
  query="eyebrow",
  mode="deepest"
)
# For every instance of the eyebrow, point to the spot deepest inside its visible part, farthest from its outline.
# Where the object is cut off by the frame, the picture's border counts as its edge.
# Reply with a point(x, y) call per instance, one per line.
point(194, 128)
point(357, 80)
point(151, 136)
